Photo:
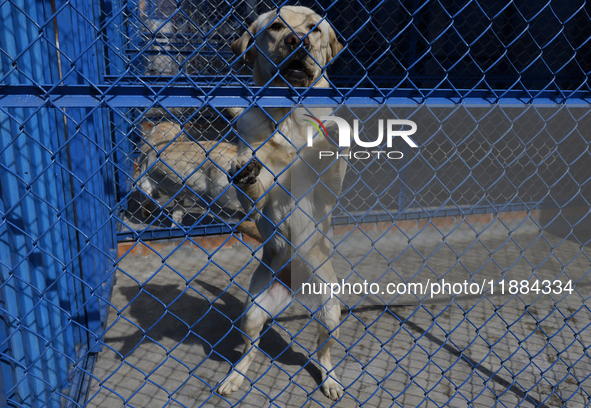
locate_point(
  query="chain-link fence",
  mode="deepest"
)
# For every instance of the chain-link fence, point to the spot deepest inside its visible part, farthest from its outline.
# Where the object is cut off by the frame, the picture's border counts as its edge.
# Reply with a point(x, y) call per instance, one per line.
point(124, 257)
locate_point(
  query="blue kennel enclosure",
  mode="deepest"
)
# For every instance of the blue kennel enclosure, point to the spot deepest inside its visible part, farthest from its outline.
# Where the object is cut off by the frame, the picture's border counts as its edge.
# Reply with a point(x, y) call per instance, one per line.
point(501, 92)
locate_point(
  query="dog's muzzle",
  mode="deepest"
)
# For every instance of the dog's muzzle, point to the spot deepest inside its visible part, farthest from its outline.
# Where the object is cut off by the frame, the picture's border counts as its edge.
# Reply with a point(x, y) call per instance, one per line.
point(293, 40)
point(296, 71)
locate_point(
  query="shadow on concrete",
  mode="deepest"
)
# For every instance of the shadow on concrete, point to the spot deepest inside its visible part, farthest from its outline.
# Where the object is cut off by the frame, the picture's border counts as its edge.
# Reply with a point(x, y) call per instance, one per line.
point(163, 311)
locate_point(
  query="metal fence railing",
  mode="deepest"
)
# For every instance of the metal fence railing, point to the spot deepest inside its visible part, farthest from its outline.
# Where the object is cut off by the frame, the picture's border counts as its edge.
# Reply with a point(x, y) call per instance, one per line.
point(119, 125)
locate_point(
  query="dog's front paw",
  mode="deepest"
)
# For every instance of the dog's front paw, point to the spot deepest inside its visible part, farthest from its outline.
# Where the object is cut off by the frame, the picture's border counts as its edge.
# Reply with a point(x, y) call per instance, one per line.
point(245, 172)
point(231, 384)
point(332, 389)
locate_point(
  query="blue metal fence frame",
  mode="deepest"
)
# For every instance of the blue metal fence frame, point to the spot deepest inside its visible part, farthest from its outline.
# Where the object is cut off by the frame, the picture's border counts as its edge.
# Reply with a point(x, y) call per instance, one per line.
point(56, 258)
point(56, 234)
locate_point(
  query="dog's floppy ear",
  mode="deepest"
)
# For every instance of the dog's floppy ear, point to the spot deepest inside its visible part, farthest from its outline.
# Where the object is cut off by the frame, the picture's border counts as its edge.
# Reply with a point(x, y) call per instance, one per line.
point(335, 45)
point(240, 46)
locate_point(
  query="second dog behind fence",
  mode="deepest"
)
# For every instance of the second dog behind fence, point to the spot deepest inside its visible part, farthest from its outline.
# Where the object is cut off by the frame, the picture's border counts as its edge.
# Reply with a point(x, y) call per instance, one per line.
point(191, 175)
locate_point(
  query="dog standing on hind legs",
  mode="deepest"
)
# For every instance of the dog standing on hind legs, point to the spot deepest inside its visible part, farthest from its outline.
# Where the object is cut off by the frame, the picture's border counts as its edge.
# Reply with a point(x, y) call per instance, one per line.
point(286, 187)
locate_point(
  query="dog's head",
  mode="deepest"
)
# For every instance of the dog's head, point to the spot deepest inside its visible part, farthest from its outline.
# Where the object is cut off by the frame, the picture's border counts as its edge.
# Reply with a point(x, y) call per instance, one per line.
point(297, 42)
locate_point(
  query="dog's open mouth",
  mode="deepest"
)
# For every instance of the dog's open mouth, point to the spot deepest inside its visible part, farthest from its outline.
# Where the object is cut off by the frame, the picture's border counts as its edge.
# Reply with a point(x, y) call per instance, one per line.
point(296, 70)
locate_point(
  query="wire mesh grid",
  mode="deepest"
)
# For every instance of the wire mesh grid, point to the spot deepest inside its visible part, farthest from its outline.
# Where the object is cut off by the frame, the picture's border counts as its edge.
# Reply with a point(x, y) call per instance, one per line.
point(479, 350)
point(126, 136)
point(408, 44)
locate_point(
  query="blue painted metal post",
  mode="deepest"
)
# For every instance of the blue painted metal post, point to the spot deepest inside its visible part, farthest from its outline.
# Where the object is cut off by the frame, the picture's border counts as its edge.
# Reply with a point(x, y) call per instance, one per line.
point(56, 200)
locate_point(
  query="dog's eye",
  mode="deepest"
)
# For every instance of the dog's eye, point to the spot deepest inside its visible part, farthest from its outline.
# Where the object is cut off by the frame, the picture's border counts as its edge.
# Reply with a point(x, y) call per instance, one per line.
point(275, 26)
point(314, 28)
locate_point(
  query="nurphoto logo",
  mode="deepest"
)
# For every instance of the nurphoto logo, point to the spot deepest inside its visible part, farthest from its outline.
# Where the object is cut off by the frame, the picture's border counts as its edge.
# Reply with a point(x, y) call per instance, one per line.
point(393, 128)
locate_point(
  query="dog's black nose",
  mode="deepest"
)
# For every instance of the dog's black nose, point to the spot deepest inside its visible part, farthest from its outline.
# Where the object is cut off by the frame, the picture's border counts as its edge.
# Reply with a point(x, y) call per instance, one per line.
point(293, 40)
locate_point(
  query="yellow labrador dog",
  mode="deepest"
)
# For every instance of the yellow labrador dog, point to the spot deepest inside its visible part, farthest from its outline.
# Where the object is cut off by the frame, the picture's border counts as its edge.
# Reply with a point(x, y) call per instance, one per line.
point(288, 190)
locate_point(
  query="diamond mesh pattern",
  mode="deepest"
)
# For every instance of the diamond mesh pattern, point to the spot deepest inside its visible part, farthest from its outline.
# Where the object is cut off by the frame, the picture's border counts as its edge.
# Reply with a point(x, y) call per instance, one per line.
point(117, 128)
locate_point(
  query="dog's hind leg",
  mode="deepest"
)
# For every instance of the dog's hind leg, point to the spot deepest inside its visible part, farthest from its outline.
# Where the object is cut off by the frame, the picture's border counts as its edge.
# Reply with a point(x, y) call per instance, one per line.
point(272, 299)
point(327, 313)
point(328, 321)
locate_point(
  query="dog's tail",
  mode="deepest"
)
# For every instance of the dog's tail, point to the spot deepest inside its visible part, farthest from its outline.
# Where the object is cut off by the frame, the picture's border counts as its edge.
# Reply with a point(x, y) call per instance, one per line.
point(250, 228)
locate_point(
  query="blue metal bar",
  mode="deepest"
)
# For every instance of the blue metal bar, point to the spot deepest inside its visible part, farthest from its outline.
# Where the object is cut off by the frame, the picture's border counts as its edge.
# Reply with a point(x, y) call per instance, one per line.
point(98, 129)
point(67, 234)
point(12, 338)
point(94, 129)
point(436, 213)
point(145, 97)
point(43, 229)
point(86, 130)
point(19, 215)
point(58, 180)
point(56, 288)
point(216, 229)
point(149, 234)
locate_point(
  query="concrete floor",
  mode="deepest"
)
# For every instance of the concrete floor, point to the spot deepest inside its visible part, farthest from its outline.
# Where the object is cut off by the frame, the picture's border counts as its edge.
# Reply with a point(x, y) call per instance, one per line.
point(172, 342)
